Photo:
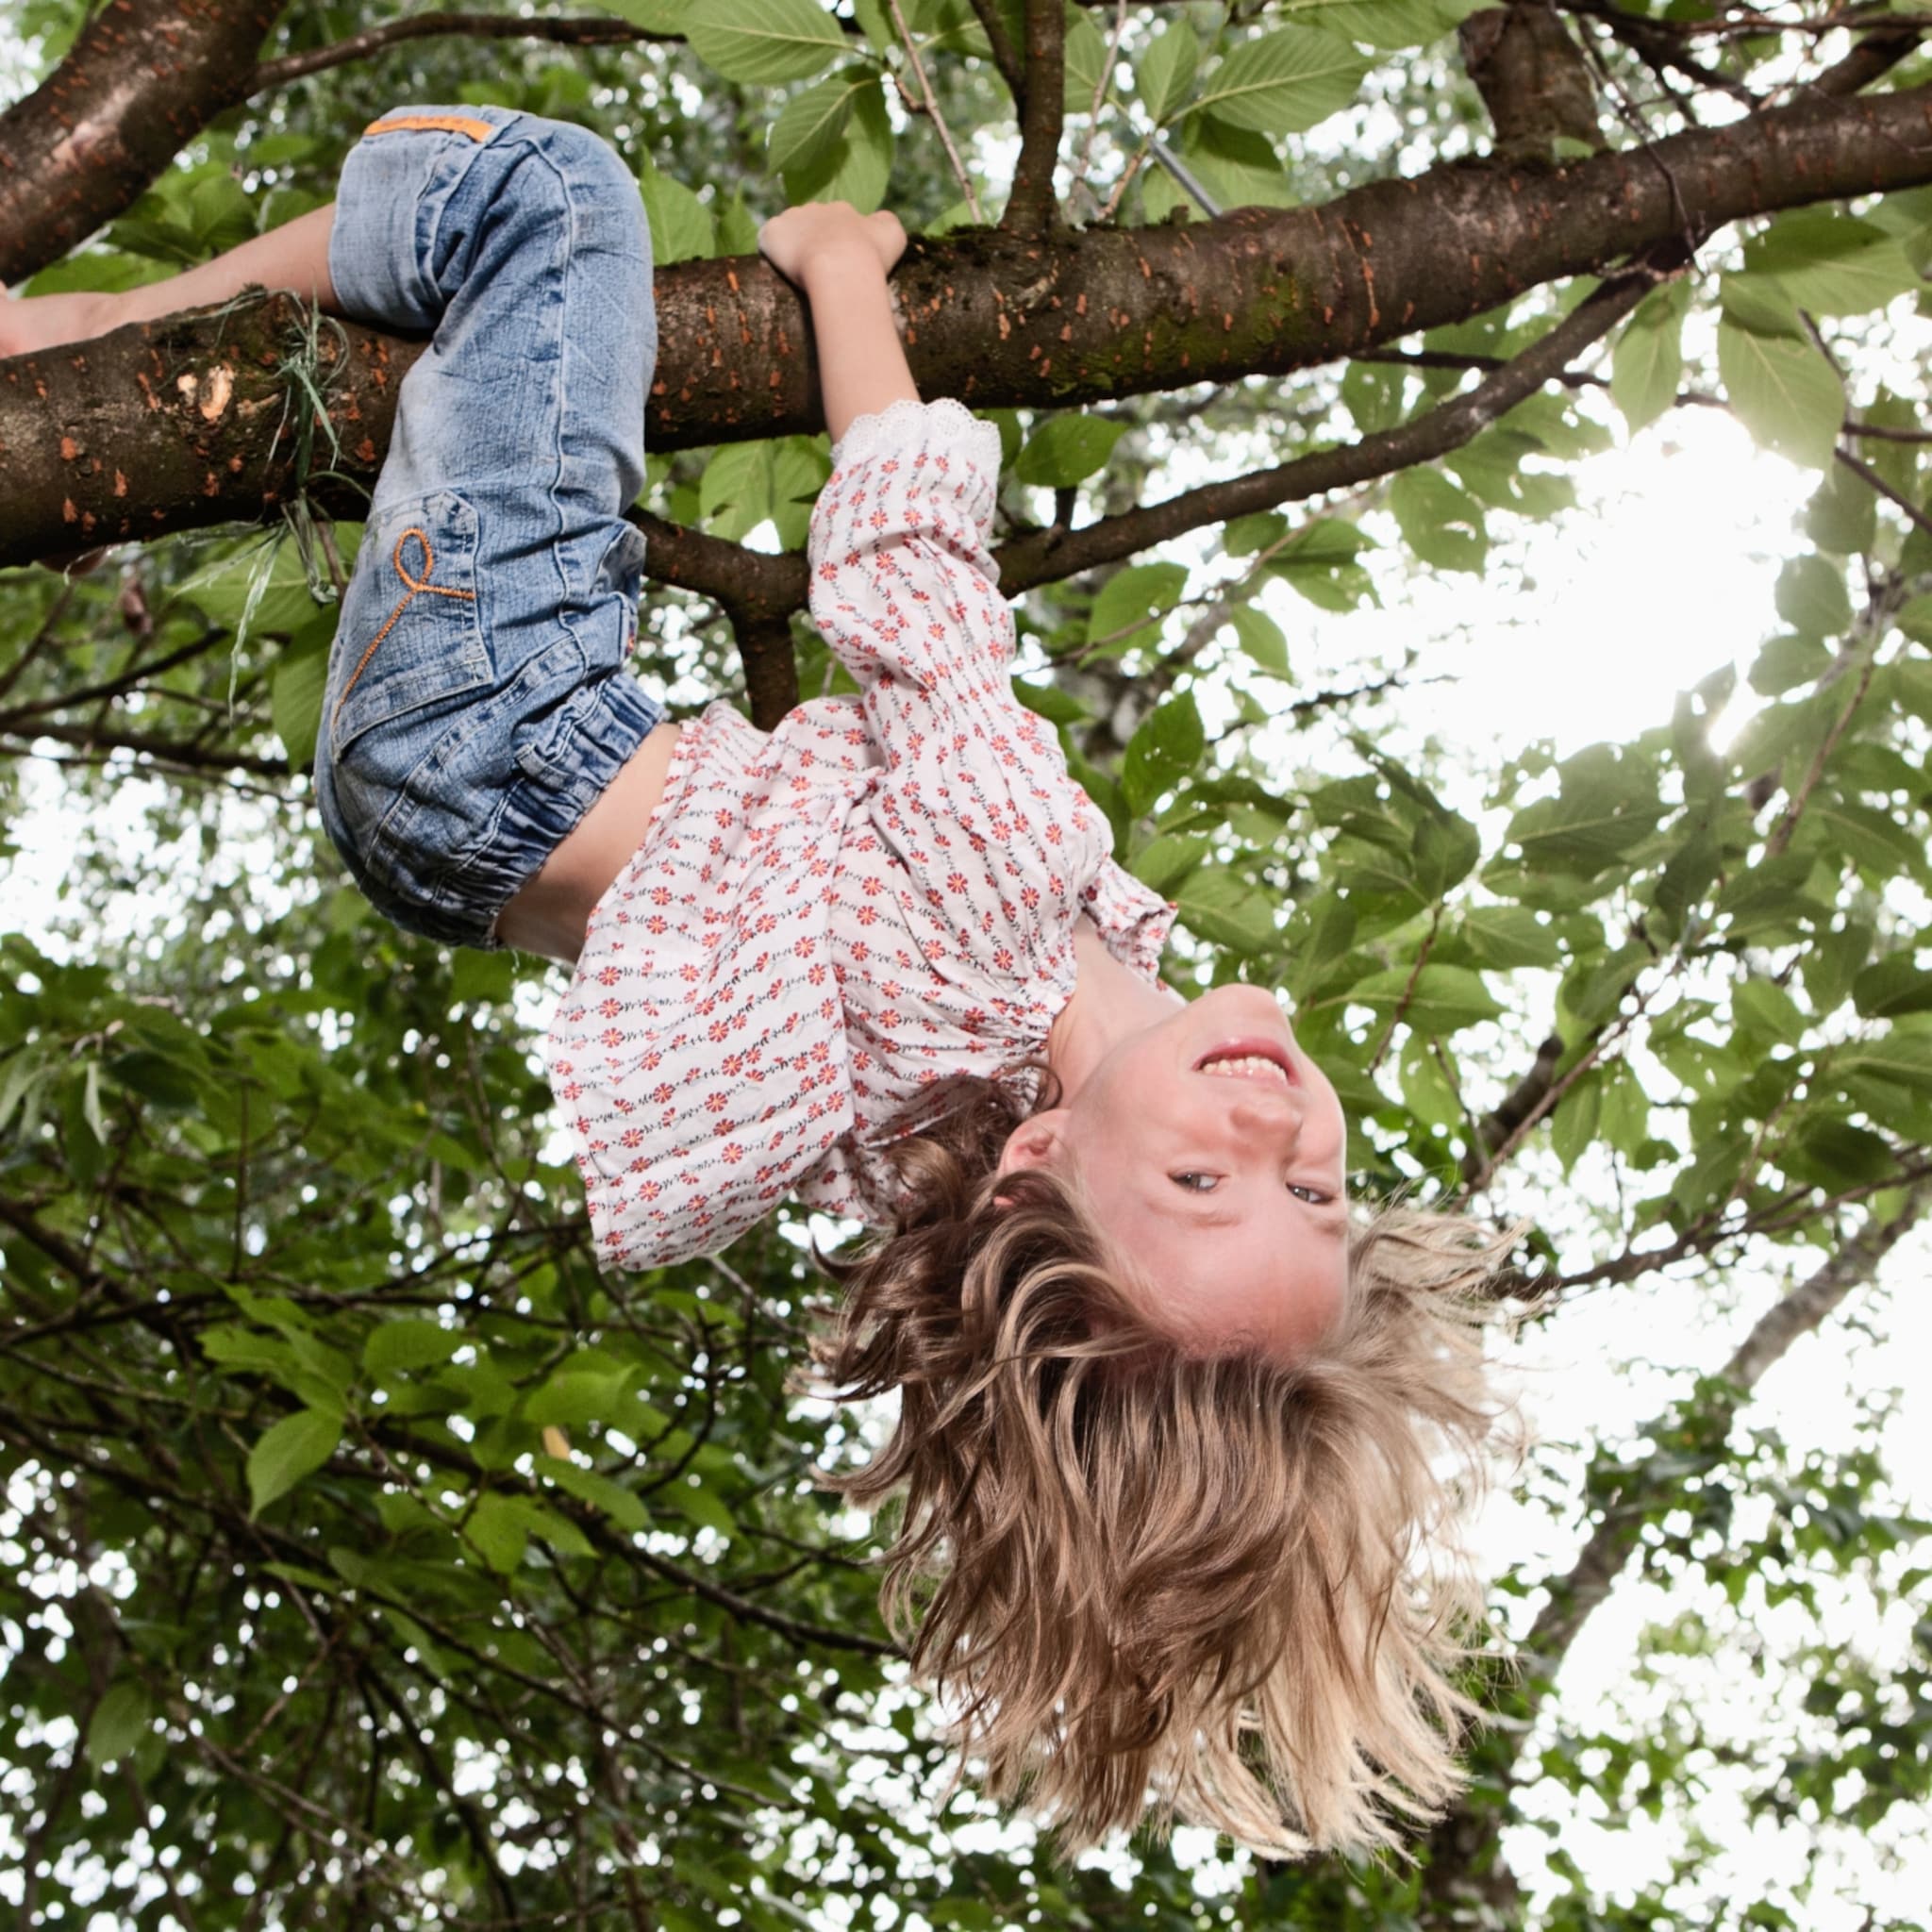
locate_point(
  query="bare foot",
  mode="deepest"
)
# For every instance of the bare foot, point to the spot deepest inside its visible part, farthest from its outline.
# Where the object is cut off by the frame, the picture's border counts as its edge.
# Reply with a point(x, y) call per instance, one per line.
point(29, 323)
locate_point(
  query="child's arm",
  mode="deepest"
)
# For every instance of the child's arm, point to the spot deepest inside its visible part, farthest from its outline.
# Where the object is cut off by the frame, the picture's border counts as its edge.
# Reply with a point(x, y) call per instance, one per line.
point(840, 258)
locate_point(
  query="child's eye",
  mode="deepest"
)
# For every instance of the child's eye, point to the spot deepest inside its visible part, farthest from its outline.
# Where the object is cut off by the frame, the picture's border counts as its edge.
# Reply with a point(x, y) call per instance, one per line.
point(1188, 1181)
point(1312, 1195)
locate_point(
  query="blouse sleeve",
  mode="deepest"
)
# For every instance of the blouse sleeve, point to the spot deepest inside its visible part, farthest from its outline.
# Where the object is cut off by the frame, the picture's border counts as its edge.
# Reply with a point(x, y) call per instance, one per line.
point(975, 797)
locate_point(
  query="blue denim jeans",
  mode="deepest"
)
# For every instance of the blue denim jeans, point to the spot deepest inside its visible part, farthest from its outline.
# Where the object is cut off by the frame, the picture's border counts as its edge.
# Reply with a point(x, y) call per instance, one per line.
point(478, 699)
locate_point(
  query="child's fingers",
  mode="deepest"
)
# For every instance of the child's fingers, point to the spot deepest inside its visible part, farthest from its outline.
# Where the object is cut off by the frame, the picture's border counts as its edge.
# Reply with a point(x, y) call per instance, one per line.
point(889, 235)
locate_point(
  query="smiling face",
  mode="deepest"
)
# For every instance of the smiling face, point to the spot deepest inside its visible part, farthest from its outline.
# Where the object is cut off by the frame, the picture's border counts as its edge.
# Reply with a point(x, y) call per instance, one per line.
point(1213, 1150)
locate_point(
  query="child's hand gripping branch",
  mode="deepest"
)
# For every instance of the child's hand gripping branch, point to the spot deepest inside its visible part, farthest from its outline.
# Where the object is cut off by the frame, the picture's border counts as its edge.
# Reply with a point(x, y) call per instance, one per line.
point(840, 258)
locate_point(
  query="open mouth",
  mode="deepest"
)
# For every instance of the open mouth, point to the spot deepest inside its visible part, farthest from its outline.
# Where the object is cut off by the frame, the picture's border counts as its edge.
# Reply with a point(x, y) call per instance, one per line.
point(1249, 1059)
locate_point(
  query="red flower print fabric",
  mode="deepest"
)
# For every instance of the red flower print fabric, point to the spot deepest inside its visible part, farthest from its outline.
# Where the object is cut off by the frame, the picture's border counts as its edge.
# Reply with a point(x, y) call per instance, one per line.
point(825, 920)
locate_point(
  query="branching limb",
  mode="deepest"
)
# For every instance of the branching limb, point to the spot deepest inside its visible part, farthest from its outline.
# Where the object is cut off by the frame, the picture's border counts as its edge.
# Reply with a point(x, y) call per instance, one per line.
point(595, 30)
point(1028, 560)
point(1006, 57)
point(1033, 208)
point(178, 754)
point(770, 669)
point(1870, 60)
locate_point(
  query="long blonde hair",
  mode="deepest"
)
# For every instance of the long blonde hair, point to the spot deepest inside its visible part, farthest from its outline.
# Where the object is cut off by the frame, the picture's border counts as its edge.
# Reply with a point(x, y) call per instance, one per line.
point(1234, 1584)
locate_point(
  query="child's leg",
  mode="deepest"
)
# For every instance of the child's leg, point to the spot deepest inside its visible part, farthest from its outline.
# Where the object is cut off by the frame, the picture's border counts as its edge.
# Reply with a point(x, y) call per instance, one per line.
point(477, 701)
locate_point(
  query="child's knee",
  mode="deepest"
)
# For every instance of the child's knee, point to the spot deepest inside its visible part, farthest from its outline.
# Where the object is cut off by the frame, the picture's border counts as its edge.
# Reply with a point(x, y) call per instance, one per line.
point(600, 188)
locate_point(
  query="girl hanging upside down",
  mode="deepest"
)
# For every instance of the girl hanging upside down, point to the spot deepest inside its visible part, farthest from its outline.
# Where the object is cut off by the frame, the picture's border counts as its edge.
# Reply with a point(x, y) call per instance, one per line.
point(1184, 1452)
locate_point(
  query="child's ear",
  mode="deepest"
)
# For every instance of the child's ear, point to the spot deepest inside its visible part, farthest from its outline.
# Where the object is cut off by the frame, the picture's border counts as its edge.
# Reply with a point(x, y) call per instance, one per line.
point(1037, 1141)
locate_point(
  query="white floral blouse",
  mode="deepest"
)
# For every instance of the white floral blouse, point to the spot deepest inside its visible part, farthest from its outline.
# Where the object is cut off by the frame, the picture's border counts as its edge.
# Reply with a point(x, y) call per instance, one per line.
point(825, 920)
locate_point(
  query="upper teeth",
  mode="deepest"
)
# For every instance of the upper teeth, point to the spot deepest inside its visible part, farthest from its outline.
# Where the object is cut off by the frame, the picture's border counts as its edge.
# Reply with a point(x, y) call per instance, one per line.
point(1248, 1065)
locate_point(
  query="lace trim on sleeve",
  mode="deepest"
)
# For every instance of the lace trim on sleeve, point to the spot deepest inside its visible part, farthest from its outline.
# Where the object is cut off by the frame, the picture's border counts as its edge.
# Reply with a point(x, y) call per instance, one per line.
point(907, 424)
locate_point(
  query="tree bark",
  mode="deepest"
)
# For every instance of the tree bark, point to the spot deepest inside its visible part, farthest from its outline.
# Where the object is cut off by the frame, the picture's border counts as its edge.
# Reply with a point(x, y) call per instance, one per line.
point(142, 81)
point(995, 319)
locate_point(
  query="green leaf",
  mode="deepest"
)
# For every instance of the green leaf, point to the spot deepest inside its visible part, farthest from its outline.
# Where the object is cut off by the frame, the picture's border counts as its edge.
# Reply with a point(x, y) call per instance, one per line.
point(1050, 702)
point(1510, 936)
point(1083, 62)
point(1262, 637)
point(1443, 525)
point(1892, 986)
point(682, 226)
point(600, 1491)
point(1915, 619)
point(1832, 263)
point(1066, 449)
point(1812, 598)
point(499, 1531)
point(1607, 803)
point(1573, 1123)
point(1164, 862)
point(575, 1396)
point(1649, 359)
point(1285, 82)
point(297, 1446)
point(1786, 662)
point(1842, 517)
point(1128, 604)
point(1224, 909)
point(1762, 306)
point(1165, 74)
point(654, 16)
point(764, 41)
point(703, 1505)
point(259, 585)
point(1438, 999)
point(1389, 24)
point(295, 687)
point(812, 123)
point(734, 492)
point(1785, 393)
point(1167, 745)
point(1872, 840)
point(1762, 1006)
point(396, 1347)
point(120, 1721)
point(800, 465)
point(857, 166)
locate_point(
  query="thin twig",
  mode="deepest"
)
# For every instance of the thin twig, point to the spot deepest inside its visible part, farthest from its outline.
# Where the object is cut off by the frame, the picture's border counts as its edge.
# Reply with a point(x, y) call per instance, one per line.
point(930, 108)
point(586, 31)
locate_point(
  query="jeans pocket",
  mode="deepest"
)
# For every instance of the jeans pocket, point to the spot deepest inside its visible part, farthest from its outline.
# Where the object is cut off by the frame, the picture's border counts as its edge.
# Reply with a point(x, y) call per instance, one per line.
point(408, 648)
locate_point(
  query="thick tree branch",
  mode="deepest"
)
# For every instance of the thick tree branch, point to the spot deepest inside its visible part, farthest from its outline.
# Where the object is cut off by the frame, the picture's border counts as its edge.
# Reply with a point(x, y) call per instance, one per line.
point(143, 78)
point(995, 319)
point(771, 668)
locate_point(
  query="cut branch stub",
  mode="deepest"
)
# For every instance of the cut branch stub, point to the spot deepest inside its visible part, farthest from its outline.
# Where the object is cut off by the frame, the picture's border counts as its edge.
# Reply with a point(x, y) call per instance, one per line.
point(144, 77)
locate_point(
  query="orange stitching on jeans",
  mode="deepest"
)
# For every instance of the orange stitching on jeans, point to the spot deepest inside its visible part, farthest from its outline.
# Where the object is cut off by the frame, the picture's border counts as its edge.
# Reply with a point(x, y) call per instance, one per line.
point(448, 124)
point(416, 584)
